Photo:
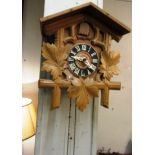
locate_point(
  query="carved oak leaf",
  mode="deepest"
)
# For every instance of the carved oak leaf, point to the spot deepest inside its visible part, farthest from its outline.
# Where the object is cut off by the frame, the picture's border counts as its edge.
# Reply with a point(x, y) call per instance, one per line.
point(54, 59)
point(82, 91)
point(108, 64)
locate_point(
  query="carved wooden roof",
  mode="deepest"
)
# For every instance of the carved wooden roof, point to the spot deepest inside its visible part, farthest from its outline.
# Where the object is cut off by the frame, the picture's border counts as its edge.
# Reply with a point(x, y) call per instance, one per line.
point(86, 12)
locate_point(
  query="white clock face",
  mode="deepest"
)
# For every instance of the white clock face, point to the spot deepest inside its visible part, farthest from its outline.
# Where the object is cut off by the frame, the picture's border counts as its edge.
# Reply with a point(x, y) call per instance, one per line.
point(82, 60)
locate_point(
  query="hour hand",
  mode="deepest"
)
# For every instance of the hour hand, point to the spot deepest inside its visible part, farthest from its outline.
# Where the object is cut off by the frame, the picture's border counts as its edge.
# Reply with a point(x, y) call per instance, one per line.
point(77, 58)
point(89, 65)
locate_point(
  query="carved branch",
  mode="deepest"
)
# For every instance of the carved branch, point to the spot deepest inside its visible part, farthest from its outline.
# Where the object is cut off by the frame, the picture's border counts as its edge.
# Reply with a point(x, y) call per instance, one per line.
point(107, 41)
point(83, 37)
point(69, 40)
point(56, 97)
point(73, 34)
point(44, 83)
point(105, 97)
point(104, 86)
point(59, 37)
point(97, 33)
point(72, 38)
point(96, 41)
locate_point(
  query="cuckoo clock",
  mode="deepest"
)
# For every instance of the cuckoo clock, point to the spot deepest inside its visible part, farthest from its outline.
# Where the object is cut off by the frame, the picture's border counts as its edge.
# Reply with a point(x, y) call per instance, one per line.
point(76, 54)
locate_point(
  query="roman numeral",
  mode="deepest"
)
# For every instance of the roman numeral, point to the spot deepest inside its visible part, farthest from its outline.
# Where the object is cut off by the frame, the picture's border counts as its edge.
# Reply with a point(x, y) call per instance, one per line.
point(84, 47)
point(70, 59)
point(83, 73)
point(74, 53)
point(89, 49)
point(77, 48)
point(88, 72)
point(93, 67)
point(93, 54)
point(76, 71)
point(95, 61)
point(72, 66)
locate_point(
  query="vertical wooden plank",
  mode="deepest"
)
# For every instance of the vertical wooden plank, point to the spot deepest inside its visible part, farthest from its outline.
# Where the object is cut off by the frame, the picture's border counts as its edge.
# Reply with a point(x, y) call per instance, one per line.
point(95, 123)
point(57, 129)
point(52, 127)
point(83, 131)
point(44, 123)
point(71, 128)
point(66, 130)
point(40, 116)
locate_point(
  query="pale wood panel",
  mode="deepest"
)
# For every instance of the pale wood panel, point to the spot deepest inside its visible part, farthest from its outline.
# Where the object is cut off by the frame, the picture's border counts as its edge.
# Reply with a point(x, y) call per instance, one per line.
point(66, 130)
point(83, 131)
point(71, 130)
point(39, 122)
point(44, 122)
point(96, 105)
point(52, 131)
point(57, 129)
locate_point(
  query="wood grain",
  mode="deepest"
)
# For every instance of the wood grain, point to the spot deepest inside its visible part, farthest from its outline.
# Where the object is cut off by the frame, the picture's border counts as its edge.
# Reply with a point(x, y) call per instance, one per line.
point(44, 83)
point(65, 18)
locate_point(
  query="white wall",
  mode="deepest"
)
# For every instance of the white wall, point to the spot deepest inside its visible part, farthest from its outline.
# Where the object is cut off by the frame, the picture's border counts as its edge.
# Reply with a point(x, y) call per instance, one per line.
point(115, 127)
point(53, 6)
point(33, 10)
point(28, 146)
point(31, 43)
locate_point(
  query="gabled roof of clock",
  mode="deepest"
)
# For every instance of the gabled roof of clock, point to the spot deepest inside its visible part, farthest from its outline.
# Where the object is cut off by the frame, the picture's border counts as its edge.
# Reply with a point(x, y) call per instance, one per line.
point(86, 12)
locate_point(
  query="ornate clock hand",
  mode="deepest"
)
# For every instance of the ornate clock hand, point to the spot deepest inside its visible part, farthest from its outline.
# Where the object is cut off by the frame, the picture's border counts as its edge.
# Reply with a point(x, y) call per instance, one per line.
point(74, 57)
point(89, 65)
point(78, 58)
point(87, 62)
point(82, 60)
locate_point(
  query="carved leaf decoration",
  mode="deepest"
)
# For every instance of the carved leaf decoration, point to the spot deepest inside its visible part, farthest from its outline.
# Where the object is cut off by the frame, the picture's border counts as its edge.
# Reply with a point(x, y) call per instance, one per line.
point(108, 64)
point(82, 99)
point(82, 91)
point(73, 91)
point(54, 59)
point(49, 67)
point(92, 91)
point(114, 58)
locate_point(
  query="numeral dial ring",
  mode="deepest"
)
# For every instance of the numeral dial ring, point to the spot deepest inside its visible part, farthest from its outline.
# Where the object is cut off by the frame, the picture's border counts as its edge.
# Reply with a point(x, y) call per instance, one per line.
point(83, 60)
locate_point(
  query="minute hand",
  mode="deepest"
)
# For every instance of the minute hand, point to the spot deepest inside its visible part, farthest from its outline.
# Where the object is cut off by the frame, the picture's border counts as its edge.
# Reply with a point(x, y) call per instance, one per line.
point(91, 66)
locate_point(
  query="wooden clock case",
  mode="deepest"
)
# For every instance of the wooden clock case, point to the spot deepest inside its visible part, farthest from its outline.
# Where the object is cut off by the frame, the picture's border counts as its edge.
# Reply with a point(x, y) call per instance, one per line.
point(86, 24)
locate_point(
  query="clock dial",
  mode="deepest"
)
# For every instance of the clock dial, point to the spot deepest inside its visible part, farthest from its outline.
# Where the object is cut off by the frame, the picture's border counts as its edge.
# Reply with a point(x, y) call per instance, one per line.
point(82, 60)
